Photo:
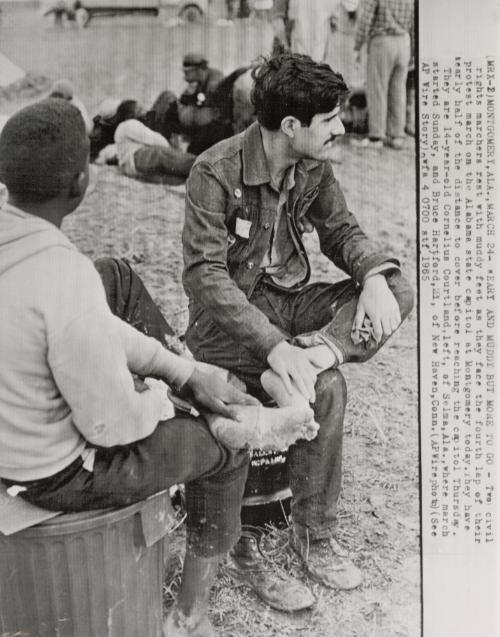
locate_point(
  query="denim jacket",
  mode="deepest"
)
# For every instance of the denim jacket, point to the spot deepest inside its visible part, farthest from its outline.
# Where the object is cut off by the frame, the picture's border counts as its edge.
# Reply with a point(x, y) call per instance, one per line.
point(227, 229)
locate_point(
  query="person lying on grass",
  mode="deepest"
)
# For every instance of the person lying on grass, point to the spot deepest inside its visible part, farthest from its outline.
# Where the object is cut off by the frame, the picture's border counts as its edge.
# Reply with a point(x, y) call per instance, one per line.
point(76, 435)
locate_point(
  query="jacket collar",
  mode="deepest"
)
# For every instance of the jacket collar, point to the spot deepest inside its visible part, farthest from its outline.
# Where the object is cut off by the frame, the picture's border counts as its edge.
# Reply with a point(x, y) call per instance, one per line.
point(255, 167)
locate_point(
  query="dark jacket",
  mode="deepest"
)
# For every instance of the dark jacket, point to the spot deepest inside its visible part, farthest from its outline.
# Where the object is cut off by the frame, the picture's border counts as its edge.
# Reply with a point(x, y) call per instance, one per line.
point(229, 219)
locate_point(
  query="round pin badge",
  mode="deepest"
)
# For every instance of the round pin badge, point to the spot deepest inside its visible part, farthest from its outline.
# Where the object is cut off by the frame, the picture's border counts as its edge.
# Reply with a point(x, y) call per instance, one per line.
point(237, 193)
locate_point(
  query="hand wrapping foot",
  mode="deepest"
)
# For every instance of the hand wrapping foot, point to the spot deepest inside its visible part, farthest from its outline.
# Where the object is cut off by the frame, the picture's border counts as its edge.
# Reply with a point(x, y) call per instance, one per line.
point(264, 428)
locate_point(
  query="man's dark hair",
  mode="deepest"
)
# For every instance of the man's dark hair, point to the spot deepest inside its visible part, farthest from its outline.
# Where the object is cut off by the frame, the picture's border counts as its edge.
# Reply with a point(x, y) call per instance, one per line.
point(42, 148)
point(293, 84)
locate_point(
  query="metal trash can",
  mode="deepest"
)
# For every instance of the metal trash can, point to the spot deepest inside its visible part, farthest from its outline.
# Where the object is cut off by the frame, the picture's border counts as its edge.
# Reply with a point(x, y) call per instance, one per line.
point(91, 574)
point(267, 495)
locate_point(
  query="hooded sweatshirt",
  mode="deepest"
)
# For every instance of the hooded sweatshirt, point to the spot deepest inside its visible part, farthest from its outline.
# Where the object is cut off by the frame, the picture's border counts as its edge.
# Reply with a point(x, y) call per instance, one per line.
point(65, 359)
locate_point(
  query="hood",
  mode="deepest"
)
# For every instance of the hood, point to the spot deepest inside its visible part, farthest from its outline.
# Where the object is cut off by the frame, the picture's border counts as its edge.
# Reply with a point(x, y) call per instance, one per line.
point(23, 235)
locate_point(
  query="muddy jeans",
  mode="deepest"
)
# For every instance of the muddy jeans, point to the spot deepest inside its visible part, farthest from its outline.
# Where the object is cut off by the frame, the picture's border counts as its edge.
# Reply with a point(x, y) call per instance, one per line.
point(180, 450)
point(315, 467)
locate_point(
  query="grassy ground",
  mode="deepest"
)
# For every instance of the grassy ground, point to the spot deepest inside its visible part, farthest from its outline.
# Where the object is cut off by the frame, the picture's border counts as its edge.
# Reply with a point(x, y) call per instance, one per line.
point(379, 507)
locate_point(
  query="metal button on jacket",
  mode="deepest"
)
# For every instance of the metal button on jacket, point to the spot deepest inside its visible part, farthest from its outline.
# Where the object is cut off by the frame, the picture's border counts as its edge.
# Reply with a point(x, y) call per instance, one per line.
point(250, 264)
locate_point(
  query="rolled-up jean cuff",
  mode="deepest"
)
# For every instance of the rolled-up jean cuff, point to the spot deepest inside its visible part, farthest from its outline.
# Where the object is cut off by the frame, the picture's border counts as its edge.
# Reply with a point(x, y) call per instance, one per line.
point(320, 338)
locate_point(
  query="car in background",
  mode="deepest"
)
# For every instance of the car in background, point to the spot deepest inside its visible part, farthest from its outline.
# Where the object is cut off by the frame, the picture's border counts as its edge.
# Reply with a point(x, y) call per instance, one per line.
point(83, 11)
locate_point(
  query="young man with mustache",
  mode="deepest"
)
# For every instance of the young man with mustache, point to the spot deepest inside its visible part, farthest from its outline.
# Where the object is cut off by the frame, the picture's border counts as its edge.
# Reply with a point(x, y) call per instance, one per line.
point(249, 199)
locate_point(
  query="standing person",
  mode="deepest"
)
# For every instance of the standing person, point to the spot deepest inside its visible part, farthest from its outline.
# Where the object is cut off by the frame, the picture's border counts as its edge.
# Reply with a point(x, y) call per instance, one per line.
point(244, 9)
point(252, 310)
point(310, 27)
point(341, 42)
point(281, 23)
point(230, 10)
point(78, 431)
point(388, 28)
point(410, 100)
point(262, 9)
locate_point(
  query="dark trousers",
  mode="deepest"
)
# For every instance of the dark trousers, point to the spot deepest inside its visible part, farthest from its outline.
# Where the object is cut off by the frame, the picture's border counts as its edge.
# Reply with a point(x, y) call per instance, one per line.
point(180, 450)
point(157, 163)
point(164, 118)
point(315, 467)
point(231, 9)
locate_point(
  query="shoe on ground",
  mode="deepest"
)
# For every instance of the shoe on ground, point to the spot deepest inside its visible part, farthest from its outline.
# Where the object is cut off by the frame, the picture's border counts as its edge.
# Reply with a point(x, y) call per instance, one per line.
point(397, 143)
point(277, 589)
point(366, 142)
point(327, 563)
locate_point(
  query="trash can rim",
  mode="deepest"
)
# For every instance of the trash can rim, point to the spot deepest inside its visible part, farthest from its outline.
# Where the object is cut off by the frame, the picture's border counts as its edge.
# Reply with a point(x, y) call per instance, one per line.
point(66, 523)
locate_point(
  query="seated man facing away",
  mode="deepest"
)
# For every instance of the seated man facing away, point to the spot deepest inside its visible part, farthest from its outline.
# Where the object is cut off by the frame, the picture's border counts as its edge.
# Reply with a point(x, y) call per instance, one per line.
point(76, 435)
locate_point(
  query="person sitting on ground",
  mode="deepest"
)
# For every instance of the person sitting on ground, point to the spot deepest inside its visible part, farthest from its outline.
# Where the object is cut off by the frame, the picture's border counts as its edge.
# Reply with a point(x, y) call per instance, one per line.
point(65, 90)
point(76, 434)
point(202, 114)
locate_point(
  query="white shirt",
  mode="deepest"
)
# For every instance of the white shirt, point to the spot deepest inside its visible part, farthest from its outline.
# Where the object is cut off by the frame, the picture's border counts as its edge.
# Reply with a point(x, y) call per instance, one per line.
point(66, 363)
point(131, 135)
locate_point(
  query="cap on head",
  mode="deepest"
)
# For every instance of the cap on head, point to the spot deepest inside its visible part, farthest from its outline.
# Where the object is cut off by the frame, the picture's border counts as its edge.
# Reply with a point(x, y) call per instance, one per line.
point(63, 89)
point(195, 59)
point(43, 147)
point(108, 107)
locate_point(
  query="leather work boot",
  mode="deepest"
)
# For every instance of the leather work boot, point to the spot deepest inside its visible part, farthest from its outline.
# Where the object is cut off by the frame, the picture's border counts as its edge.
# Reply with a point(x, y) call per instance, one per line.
point(326, 562)
point(247, 565)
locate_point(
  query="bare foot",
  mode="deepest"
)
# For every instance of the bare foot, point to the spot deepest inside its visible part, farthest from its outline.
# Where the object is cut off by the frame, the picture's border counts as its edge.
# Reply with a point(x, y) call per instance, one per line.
point(264, 428)
point(179, 625)
point(274, 386)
